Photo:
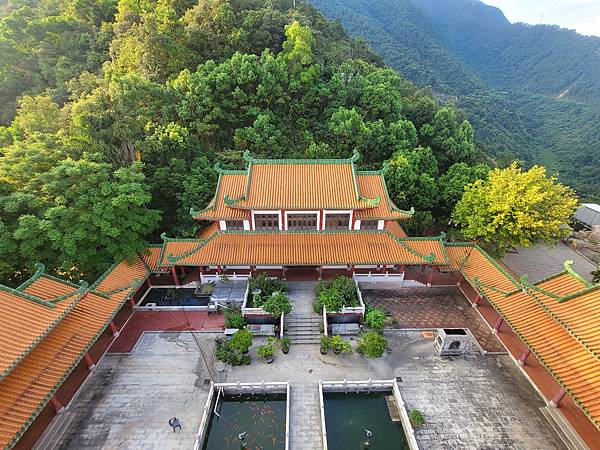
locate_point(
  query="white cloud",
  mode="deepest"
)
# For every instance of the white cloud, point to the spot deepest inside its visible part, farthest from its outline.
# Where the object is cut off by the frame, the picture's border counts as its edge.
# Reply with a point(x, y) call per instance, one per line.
point(581, 15)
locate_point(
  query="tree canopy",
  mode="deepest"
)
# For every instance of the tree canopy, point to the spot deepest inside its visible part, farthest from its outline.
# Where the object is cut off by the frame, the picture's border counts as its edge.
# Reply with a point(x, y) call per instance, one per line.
point(515, 207)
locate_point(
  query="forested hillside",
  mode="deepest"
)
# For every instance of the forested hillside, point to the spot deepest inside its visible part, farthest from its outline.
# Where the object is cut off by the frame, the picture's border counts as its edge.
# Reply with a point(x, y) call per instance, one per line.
point(115, 114)
point(531, 92)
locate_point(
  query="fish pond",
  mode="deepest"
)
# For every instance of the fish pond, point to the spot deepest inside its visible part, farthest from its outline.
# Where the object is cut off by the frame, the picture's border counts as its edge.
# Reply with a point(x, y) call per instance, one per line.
point(249, 421)
point(354, 419)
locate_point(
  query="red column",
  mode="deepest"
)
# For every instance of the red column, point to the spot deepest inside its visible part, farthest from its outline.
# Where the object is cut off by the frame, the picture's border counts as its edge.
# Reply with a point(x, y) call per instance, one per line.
point(558, 397)
point(57, 404)
point(132, 302)
point(219, 270)
point(430, 276)
point(475, 303)
point(524, 357)
point(149, 281)
point(498, 325)
point(113, 329)
point(174, 273)
point(402, 269)
point(283, 221)
point(320, 272)
point(382, 268)
point(89, 361)
point(283, 271)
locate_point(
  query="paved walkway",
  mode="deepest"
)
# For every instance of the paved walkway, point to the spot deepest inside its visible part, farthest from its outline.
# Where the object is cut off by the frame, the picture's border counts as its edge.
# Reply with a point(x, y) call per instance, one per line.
point(301, 294)
point(434, 308)
point(305, 417)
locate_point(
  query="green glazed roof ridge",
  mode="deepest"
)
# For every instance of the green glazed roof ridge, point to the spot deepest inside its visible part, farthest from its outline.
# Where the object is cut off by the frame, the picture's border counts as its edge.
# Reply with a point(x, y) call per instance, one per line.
point(355, 156)
point(390, 203)
point(497, 265)
point(527, 285)
point(39, 271)
point(538, 355)
point(569, 269)
point(173, 259)
point(248, 178)
point(429, 258)
point(53, 390)
point(565, 325)
point(212, 205)
point(26, 296)
point(490, 287)
point(39, 338)
point(355, 182)
point(579, 293)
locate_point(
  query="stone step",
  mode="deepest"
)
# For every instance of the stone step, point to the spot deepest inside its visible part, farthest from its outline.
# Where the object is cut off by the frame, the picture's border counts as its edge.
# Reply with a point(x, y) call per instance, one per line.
point(303, 319)
point(305, 340)
point(302, 333)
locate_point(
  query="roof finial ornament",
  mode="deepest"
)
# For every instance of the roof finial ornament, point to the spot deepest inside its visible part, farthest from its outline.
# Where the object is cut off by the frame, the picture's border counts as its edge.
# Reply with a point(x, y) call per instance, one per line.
point(39, 268)
point(247, 156)
point(163, 236)
point(442, 235)
point(385, 168)
point(355, 156)
point(217, 167)
point(83, 284)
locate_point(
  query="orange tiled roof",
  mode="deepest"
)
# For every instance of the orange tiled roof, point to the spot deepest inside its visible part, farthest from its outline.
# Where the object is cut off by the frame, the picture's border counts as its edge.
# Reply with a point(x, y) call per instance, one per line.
point(396, 229)
point(300, 185)
point(372, 185)
point(28, 387)
point(299, 248)
point(557, 318)
point(37, 309)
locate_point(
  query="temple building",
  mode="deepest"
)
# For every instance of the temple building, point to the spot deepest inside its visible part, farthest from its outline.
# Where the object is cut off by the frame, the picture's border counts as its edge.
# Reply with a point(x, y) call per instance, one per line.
point(307, 219)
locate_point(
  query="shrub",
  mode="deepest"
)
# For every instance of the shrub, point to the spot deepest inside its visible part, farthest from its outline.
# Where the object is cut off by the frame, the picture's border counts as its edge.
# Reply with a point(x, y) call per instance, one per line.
point(234, 319)
point(375, 319)
point(277, 304)
point(372, 344)
point(339, 345)
point(596, 276)
point(267, 350)
point(225, 353)
point(241, 341)
point(325, 344)
point(335, 294)
point(267, 286)
point(416, 418)
point(285, 343)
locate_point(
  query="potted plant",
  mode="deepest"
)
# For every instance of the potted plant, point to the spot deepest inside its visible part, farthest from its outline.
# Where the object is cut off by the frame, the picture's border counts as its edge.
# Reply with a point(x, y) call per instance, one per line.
point(267, 351)
point(416, 418)
point(339, 345)
point(325, 345)
point(285, 344)
point(372, 344)
point(241, 341)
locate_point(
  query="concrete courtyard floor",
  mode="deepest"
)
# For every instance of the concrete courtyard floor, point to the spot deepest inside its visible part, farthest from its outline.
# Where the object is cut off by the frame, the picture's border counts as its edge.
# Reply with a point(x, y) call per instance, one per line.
point(472, 402)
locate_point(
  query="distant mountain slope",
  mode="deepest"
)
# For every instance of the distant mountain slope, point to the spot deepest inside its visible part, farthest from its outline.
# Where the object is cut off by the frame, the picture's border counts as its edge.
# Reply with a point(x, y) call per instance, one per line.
point(532, 92)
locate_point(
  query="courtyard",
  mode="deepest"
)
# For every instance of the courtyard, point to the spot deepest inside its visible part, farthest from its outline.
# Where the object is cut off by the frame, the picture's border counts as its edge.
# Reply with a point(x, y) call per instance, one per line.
point(474, 402)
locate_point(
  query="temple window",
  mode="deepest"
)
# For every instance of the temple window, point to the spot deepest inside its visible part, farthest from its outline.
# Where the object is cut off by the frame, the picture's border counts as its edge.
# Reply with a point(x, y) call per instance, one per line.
point(302, 221)
point(266, 221)
point(369, 224)
point(337, 221)
point(234, 225)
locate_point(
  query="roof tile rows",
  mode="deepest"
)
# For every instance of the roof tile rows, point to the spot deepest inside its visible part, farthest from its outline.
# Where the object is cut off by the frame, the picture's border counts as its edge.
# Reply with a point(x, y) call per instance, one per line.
point(26, 389)
point(301, 185)
point(557, 318)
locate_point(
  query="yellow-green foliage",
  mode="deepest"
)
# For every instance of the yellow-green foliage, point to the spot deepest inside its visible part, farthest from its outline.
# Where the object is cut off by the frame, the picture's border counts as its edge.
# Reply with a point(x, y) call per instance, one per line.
point(516, 207)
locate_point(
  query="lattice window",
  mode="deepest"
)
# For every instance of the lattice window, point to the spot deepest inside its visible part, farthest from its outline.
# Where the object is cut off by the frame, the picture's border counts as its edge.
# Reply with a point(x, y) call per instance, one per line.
point(302, 221)
point(369, 224)
point(266, 221)
point(337, 221)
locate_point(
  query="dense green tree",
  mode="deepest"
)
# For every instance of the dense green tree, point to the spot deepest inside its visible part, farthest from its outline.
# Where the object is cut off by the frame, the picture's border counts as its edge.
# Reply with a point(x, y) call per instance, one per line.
point(515, 207)
point(452, 183)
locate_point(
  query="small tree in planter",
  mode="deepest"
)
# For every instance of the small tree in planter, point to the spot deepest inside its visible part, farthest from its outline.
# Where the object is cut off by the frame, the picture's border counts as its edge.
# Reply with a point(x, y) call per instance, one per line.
point(325, 344)
point(339, 345)
point(375, 319)
point(372, 344)
point(241, 341)
point(267, 351)
point(335, 294)
point(262, 287)
point(416, 418)
point(277, 304)
point(285, 344)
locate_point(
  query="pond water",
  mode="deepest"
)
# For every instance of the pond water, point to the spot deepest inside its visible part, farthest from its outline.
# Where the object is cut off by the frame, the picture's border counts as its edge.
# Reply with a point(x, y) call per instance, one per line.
point(174, 297)
point(260, 417)
point(348, 416)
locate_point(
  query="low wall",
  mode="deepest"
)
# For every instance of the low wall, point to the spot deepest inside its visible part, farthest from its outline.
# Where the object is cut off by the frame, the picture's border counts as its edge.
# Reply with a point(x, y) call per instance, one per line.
point(218, 389)
point(368, 386)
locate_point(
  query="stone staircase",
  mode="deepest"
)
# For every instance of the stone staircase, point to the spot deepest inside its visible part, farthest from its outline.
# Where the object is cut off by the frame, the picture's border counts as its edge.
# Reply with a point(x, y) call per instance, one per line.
point(303, 328)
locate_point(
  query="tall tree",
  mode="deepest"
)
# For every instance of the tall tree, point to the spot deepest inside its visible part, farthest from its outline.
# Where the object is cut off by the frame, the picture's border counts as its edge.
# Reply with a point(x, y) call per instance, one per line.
point(515, 207)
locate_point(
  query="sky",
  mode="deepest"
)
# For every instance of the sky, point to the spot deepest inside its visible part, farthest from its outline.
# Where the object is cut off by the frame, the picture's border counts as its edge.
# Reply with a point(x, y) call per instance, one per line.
point(581, 15)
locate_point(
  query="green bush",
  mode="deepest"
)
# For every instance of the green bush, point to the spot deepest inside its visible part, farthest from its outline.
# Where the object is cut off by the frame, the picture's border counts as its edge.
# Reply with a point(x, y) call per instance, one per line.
point(234, 319)
point(325, 344)
point(375, 318)
point(225, 353)
point(335, 294)
point(267, 350)
point(267, 286)
point(241, 341)
point(372, 344)
point(596, 276)
point(339, 345)
point(277, 304)
point(416, 418)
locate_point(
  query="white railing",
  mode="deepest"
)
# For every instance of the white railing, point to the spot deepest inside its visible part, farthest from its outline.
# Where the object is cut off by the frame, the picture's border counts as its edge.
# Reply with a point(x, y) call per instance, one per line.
point(368, 386)
point(211, 278)
point(263, 387)
point(325, 331)
point(281, 325)
point(375, 277)
point(356, 309)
